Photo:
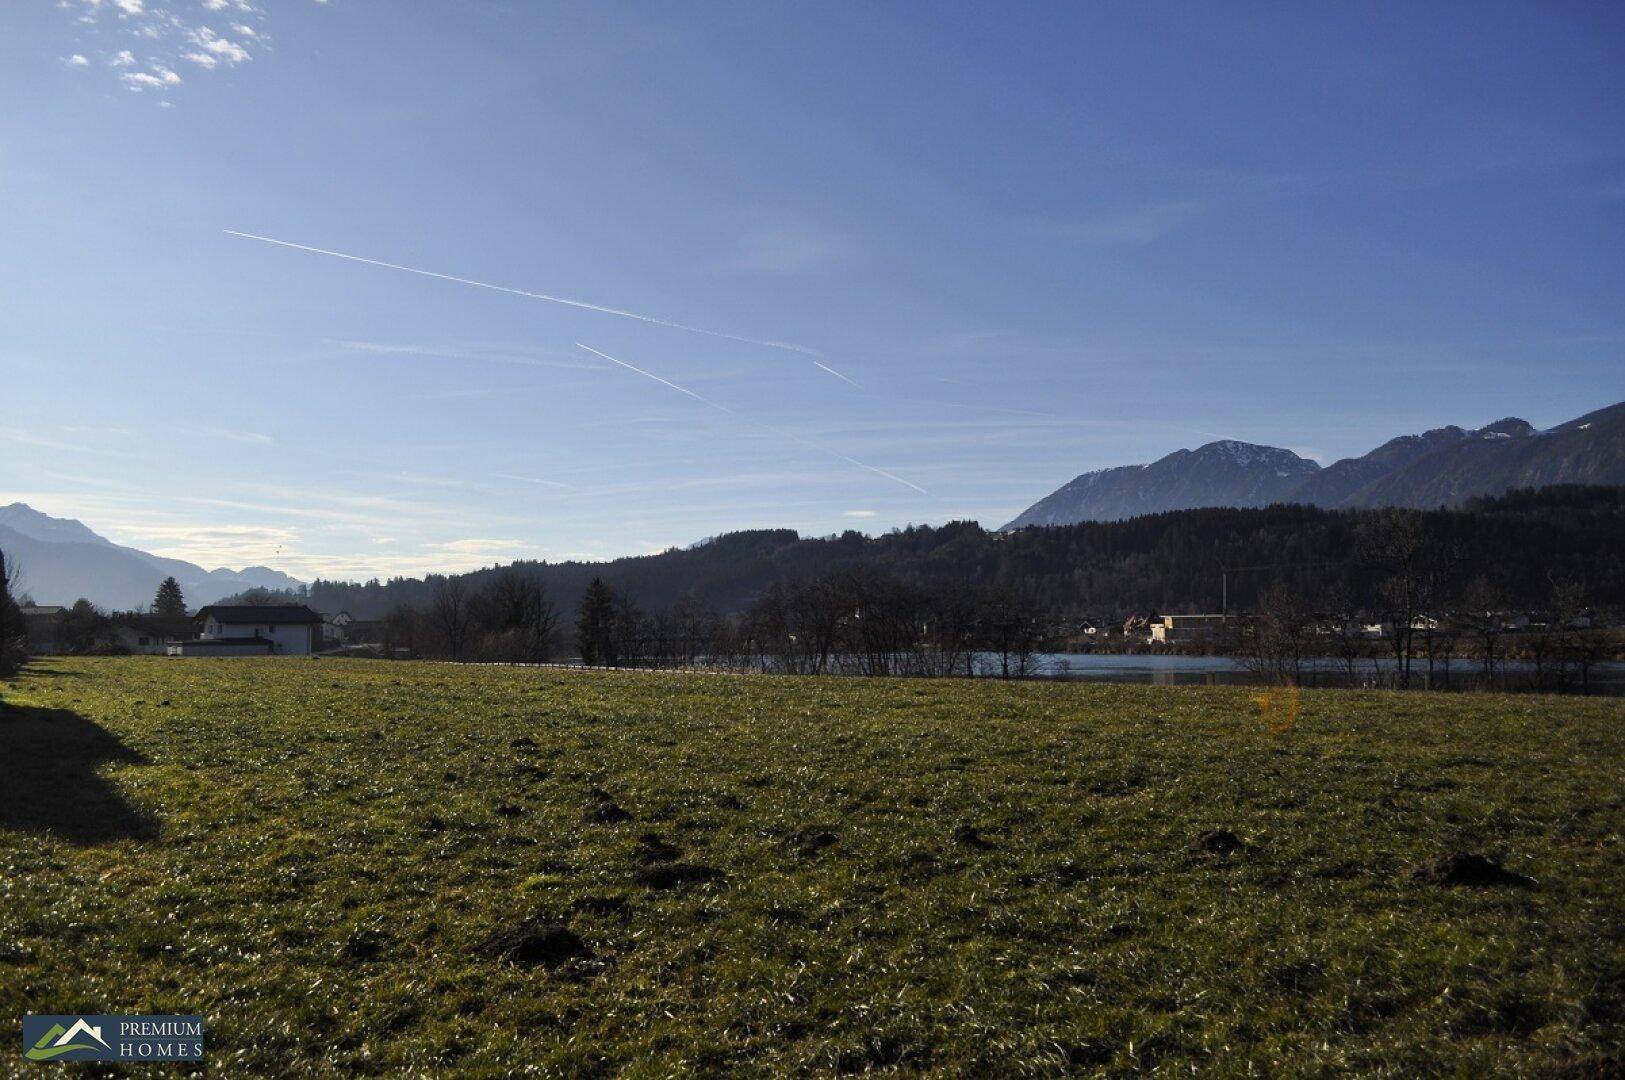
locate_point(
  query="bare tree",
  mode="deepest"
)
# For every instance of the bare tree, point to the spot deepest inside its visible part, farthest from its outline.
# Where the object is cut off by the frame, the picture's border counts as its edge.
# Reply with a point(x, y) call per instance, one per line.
point(403, 631)
point(1482, 603)
point(516, 619)
point(451, 615)
point(1396, 544)
point(1276, 642)
point(1011, 630)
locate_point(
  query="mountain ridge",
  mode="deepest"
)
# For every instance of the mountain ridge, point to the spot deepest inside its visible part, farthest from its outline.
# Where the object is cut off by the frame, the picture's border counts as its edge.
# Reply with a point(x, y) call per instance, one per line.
point(61, 560)
point(1440, 467)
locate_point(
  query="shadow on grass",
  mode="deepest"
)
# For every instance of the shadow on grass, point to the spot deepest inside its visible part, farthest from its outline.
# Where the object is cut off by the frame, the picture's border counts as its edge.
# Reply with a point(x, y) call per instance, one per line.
point(48, 781)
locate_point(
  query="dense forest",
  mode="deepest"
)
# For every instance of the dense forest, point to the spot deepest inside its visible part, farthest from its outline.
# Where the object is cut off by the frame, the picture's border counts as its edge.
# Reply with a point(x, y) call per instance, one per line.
point(1517, 546)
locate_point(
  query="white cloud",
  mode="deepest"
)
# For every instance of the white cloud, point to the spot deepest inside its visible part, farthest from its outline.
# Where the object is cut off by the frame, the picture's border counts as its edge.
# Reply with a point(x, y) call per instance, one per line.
point(858, 513)
point(138, 81)
point(171, 36)
point(222, 47)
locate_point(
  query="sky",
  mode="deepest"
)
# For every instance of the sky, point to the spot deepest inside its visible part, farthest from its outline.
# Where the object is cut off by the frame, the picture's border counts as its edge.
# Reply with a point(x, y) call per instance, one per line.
point(866, 265)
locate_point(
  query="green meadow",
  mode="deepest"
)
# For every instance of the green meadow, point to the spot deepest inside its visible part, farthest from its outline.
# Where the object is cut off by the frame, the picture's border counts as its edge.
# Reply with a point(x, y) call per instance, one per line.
point(371, 867)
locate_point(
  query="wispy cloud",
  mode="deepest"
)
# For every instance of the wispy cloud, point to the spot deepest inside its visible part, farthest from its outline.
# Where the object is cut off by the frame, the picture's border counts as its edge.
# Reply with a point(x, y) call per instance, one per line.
point(76, 60)
point(256, 438)
point(1128, 226)
point(29, 438)
point(785, 249)
point(482, 546)
point(535, 480)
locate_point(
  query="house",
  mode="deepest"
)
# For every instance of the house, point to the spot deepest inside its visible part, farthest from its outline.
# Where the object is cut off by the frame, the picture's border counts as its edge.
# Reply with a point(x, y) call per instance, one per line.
point(148, 634)
point(336, 629)
point(282, 629)
point(44, 625)
point(1189, 629)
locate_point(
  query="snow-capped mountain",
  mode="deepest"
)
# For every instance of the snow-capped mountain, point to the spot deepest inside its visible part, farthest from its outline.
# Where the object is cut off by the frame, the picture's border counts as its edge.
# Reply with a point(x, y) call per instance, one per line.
point(1225, 473)
point(1441, 467)
point(61, 560)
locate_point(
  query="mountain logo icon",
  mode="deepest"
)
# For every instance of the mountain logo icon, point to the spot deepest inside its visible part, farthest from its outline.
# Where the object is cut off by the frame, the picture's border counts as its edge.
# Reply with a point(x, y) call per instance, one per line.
point(59, 1040)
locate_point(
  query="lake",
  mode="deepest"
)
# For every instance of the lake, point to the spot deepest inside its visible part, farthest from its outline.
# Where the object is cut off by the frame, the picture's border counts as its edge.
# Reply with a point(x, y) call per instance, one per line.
point(1166, 670)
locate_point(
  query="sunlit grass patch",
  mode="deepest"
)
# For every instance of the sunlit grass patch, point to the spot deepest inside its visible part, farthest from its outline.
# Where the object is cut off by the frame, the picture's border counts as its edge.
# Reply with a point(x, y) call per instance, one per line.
point(371, 866)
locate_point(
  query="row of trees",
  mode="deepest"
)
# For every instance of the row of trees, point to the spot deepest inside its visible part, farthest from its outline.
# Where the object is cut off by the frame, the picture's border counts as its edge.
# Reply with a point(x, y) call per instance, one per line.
point(857, 623)
point(1431, 615)
point(510, 617)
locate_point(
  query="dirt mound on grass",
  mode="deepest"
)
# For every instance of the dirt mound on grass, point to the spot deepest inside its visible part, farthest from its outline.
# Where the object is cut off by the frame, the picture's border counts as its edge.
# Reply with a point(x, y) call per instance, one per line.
point(605, 810)
point(809, 842)
point(970, 836)
point(1221, 842)
point(536, 941)
point(653, 848)
point(676, 875)
point(1468, 868)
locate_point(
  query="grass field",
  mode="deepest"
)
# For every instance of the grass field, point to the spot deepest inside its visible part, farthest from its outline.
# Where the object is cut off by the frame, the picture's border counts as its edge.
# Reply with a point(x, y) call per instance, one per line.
point(375, 867)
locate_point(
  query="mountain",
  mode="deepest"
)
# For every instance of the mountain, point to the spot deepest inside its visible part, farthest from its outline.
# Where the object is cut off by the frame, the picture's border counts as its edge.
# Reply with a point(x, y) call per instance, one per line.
point(1507, 454)
point(1341, 480)
point(1225, 473)
point(61, 560)
point(1442, 467)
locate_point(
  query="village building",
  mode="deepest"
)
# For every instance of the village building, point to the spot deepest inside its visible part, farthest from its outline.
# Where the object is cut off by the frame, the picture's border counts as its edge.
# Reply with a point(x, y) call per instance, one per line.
point(281, 630)
point(1189, 629)
point(149, 635)
point(336, 628)
point(44, 626)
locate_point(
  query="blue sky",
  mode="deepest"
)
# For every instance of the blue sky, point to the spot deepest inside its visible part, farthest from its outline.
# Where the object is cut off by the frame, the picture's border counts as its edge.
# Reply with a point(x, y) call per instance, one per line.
point(1039, 239)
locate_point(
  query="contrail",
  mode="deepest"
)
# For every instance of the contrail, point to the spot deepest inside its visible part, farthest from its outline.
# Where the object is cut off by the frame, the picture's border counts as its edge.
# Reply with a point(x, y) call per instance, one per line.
point(784, 345)
point(837, 374)
point(792, 436)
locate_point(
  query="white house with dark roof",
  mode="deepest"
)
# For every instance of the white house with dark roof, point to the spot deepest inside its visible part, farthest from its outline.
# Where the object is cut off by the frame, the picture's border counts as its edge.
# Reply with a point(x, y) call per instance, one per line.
point(282, 630)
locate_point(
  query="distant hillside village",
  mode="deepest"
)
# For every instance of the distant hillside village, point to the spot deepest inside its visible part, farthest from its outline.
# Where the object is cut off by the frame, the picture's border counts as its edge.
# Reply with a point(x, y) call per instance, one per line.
point(1536, 578)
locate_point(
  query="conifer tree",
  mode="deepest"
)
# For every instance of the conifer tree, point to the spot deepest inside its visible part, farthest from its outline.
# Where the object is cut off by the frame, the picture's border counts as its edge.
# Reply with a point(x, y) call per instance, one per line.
point(595, 625)
point(169, 600)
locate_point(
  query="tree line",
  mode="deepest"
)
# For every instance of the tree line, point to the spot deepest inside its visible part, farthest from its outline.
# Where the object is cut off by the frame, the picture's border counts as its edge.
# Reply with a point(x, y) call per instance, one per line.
point(853, 623)
point(1443, 619)
point(1175, 562)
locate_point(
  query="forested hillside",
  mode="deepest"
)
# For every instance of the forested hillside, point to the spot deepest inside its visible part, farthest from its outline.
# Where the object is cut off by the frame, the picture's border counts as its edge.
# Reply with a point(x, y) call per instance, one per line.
point(1521, 543)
